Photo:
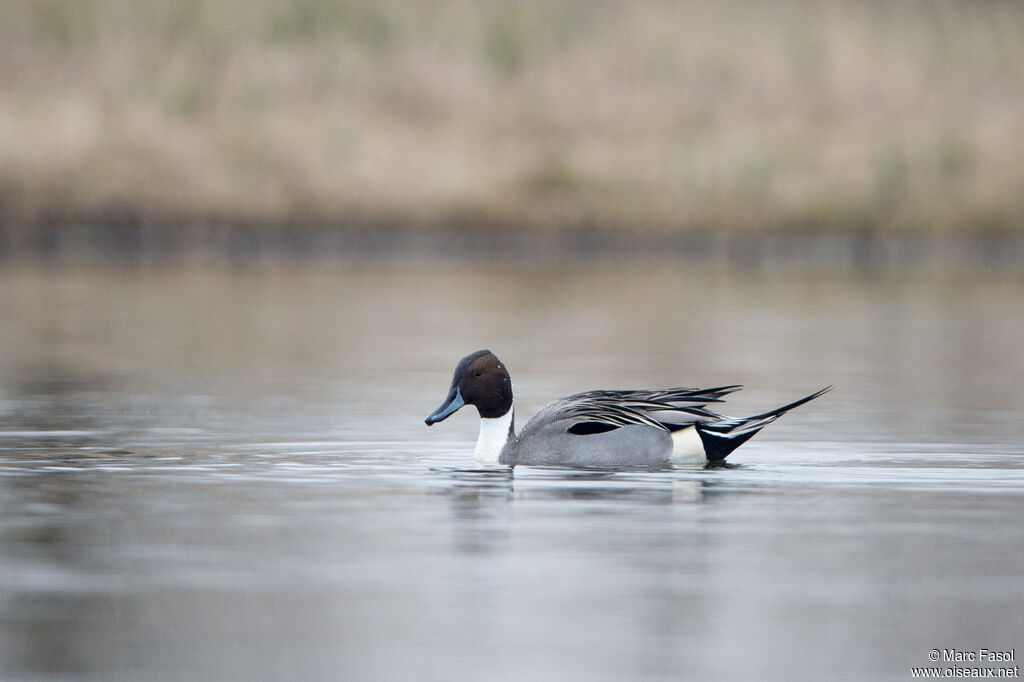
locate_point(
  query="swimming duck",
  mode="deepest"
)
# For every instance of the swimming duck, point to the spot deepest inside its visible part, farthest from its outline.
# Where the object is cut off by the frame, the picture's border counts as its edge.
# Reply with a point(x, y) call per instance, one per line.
point(633, 428)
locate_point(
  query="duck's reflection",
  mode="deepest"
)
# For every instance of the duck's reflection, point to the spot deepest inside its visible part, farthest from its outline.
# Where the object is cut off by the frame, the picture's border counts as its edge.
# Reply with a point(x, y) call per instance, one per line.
point(476, 487)
point(485, 502)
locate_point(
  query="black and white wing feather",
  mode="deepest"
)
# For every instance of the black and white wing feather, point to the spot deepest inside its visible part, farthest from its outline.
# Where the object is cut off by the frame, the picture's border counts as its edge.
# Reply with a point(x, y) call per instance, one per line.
point(669, 409)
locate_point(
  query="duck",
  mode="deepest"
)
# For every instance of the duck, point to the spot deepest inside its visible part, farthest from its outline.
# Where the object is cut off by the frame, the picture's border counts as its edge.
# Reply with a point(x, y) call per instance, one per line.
point(601, 428)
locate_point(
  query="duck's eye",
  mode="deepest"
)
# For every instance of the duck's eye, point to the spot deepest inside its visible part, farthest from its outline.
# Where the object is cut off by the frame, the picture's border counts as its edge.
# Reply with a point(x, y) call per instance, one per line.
point(478, 373)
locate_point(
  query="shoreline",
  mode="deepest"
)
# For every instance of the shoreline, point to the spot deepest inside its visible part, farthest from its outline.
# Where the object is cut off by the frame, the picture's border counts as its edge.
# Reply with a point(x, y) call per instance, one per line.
point(231, 242)
point(789, 118)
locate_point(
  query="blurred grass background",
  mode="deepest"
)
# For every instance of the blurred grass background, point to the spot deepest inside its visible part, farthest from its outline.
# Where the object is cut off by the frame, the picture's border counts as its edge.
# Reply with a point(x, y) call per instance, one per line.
point(898, 117)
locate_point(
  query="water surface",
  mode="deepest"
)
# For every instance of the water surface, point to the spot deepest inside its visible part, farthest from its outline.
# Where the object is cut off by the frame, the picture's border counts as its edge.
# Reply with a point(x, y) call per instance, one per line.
point(217, 473)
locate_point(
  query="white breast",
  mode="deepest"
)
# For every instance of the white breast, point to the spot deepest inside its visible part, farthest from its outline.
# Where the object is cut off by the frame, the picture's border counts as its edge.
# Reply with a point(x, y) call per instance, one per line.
point(494, 434)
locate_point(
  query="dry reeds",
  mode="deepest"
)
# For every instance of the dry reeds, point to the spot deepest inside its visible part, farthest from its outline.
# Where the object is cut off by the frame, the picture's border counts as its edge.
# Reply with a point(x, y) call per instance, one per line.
point(891, 116)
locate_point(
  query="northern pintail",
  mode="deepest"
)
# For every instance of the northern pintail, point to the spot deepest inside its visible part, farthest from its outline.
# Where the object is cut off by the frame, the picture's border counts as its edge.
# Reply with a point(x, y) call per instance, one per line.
point(600, 428)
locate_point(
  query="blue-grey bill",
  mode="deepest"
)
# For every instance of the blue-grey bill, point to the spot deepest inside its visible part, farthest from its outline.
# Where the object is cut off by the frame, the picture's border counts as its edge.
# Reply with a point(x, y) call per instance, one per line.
point(452, 403)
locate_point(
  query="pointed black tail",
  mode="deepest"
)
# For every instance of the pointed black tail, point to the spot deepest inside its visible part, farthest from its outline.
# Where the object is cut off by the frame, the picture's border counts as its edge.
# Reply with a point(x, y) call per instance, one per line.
point(779, 411)
point(722, 437)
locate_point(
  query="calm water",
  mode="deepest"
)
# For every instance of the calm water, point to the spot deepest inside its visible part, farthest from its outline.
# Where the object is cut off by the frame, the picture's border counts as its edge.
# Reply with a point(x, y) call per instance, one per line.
point(221, 474)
